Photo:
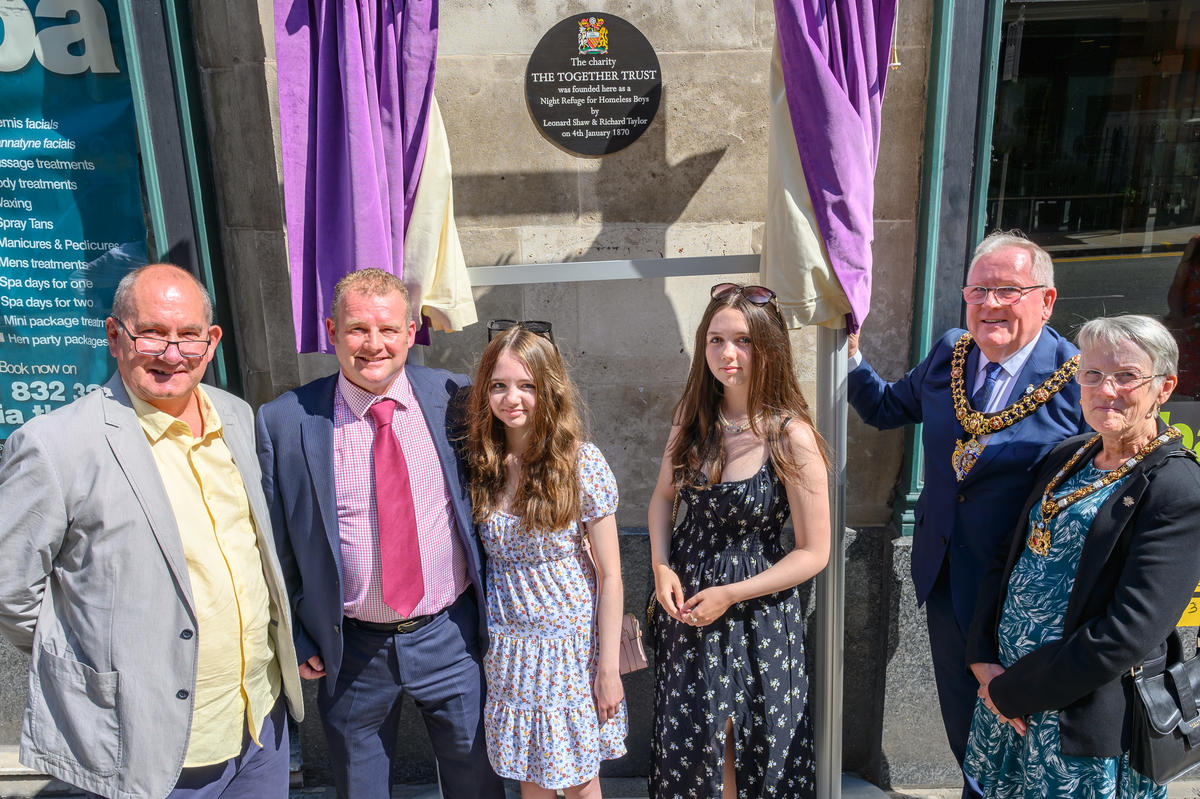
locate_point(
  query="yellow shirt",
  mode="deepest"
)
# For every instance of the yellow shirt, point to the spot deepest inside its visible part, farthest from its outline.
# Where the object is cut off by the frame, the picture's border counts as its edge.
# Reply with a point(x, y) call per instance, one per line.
point(237, 676)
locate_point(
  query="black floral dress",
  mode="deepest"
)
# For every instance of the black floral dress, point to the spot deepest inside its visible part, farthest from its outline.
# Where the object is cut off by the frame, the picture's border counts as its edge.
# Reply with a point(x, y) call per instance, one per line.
point(748, 665)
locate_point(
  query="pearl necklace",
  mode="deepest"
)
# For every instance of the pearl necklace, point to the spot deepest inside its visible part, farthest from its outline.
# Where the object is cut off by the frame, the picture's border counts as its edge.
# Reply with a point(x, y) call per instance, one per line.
point(730, 427)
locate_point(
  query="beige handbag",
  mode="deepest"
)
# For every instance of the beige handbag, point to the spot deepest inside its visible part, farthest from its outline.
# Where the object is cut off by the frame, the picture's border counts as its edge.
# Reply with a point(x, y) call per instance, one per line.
point(632, 654)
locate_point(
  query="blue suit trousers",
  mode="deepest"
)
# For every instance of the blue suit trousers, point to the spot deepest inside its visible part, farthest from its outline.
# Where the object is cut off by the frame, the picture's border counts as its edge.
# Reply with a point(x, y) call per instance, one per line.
point(441, 668)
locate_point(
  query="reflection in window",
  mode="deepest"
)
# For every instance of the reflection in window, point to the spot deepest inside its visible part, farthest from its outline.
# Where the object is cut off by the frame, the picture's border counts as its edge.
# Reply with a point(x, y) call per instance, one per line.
point(1096, 154)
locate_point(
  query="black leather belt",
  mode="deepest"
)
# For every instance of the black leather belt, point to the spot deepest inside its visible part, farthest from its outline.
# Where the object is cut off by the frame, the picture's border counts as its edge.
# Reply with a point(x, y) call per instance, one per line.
point(402, 626)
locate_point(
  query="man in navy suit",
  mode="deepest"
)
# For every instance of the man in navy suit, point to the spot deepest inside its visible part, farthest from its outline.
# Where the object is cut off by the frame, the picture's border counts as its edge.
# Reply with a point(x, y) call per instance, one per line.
point(373, 525)
point(993, 400)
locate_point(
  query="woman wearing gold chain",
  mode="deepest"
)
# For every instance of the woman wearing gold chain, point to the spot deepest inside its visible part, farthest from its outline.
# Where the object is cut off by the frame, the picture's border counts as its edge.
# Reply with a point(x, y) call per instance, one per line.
point(1092, 582)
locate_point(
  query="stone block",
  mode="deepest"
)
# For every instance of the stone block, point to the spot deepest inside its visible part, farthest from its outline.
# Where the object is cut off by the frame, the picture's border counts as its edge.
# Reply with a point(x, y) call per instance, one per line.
point(681, 25)
point(690, 240)
point(672, 25)
point(887, 330)
point(256, 262)
point(630, 426)
point(913, 24)
point(493, 27)
point(914, 747)
point(703, 159)
point(490, 246)
point(243, 146)
point(483, 104)
point(591, 241)
point(254, 26)
point(210, 26)
point(873, 462)
point(628, 335)
point(316, 364)
point(872, 588)
point(460, 351)
point(558, 304)
point(764, 24)
point(804, 360)
point(901, 142)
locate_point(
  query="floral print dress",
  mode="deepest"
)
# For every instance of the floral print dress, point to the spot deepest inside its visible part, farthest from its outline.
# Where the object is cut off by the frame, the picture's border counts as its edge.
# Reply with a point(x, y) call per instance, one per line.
point(1011, 766)
point(747, 666)
point(540, 718)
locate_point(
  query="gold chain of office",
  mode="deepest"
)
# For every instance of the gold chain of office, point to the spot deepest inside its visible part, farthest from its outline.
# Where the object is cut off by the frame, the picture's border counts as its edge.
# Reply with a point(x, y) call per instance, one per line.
point(976, 423)
point(1049, 507)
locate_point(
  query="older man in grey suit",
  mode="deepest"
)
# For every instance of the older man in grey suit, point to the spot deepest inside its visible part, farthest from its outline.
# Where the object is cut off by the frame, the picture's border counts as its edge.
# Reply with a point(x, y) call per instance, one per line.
point(138, 571)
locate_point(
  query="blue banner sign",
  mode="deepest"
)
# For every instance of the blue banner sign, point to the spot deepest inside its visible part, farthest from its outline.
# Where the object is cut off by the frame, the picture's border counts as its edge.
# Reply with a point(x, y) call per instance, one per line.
point(71, 222)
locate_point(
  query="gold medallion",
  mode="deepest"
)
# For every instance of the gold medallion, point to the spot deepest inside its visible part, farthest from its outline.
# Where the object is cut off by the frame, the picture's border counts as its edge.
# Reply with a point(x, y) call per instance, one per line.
point(975, 423)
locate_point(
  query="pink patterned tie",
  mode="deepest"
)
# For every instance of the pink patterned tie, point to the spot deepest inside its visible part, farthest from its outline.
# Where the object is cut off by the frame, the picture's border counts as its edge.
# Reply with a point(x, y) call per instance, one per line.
point(399, 551)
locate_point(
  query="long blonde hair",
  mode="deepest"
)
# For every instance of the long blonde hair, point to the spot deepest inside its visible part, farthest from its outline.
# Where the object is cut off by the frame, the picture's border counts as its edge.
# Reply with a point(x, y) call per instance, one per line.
point(547, 496)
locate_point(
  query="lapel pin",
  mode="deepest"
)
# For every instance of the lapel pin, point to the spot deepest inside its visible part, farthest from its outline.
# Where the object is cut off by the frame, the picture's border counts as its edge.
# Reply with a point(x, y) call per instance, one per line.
point(1127, 502)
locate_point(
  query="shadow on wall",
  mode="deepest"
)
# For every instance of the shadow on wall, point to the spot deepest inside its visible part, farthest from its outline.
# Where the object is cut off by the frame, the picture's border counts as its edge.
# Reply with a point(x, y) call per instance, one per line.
point(622, 339)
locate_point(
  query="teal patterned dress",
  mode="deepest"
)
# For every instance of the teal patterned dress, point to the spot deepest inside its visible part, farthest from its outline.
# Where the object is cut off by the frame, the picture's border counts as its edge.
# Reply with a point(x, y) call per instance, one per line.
point(1011, 766)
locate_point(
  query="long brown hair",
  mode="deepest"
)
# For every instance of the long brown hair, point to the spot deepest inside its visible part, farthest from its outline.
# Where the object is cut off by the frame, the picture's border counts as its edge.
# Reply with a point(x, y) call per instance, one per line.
point(775, 397)
point(547, 496)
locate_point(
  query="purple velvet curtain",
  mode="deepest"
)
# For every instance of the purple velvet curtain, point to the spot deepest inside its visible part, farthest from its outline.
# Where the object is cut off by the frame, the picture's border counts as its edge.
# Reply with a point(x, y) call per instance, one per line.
point(355, 87)
point(835, 62)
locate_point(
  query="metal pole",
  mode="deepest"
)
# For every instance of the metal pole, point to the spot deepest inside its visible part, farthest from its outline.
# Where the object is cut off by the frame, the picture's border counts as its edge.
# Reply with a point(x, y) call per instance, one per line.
point(831, 583)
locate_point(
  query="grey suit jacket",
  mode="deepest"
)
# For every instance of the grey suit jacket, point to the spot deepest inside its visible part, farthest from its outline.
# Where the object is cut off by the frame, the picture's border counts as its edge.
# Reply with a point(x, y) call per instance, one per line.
point(94, 584)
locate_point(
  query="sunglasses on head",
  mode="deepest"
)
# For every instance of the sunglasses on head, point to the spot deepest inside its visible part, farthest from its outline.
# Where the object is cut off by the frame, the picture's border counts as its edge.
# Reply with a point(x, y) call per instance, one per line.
point(535, 326)
point(757, 295)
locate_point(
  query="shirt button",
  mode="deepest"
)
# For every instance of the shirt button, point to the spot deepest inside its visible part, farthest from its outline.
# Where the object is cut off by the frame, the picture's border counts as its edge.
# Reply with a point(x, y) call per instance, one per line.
point(186, 634)
point(181, 694)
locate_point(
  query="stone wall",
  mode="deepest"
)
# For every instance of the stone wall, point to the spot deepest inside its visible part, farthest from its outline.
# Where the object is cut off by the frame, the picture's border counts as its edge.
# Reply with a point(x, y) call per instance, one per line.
point(694, 184)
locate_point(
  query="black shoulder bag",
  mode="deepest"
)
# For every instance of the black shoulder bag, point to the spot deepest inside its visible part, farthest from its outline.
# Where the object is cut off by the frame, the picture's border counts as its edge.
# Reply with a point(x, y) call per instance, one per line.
point(1165, 713)
point(1165, 724)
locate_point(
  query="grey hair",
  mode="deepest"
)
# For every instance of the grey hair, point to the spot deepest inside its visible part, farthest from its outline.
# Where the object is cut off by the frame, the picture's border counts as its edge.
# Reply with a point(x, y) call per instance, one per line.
point(1147, 334)
point(122, 307)
point(370, 282)
point(1043, 265)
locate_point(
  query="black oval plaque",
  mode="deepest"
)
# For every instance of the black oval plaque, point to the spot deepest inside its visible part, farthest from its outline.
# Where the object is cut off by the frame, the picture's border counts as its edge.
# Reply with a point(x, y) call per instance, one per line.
point(593, 84)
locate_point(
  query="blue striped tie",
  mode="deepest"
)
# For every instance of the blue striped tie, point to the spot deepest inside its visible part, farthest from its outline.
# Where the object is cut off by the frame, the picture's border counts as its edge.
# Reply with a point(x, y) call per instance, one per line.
point(984, 393)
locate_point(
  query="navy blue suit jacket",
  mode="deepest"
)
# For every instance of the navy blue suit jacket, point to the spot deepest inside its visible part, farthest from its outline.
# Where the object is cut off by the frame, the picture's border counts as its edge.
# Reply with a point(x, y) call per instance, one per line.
point(967, 521)
point(295, 450)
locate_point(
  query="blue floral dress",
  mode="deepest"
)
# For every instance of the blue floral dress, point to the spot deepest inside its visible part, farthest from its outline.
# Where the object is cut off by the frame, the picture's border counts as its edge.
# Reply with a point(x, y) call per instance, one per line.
point(540, 718)
point(1008, 765)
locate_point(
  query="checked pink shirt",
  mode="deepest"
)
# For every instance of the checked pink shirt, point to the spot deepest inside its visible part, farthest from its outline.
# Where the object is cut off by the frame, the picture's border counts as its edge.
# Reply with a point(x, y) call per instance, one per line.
point(443, 564)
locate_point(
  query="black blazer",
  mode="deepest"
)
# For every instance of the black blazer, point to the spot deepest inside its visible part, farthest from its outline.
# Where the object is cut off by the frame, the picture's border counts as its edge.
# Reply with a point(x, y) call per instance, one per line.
point(1138, 569)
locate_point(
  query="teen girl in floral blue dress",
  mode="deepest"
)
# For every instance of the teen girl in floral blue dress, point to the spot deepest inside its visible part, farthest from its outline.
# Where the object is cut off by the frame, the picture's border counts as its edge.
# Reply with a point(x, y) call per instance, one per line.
point(555, 705)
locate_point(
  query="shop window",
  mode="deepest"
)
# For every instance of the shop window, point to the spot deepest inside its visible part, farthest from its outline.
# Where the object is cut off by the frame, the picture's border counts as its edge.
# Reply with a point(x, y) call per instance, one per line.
point(1096, 154)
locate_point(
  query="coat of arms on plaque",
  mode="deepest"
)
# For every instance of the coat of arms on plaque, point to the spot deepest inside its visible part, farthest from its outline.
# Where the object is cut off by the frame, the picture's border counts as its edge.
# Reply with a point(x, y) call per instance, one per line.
point(593, 36)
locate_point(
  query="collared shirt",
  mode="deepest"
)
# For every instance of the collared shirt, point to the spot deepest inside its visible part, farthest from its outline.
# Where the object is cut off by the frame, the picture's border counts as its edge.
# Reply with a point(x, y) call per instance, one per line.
point(1010, 367)
point(443, 562)
point(237, 673)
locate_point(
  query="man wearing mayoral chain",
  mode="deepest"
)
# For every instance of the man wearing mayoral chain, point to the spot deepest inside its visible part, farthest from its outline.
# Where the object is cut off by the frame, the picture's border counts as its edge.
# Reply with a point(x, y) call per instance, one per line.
point(993, 399)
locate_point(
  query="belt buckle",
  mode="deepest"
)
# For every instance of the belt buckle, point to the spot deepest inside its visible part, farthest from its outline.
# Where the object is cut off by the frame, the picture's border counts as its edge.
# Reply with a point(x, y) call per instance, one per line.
point(408, 625)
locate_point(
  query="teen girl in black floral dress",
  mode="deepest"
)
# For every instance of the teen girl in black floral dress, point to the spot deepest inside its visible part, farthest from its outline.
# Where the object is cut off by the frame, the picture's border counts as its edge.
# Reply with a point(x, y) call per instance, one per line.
point(731, 696)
